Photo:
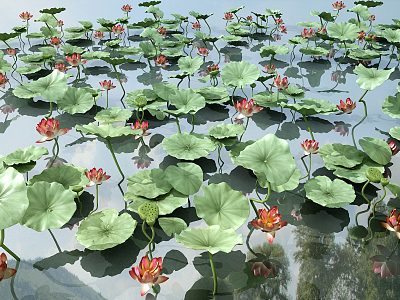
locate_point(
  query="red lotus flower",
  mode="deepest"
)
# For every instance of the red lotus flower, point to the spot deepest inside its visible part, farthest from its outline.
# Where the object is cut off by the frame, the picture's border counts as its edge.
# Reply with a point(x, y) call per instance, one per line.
point(107, 85)
point(117, 30)
point(3, 80)
point(75, 60)
point(50, 129)
point(269, 69)
point(203, 51)
point(371, 18)
point(249, 18)
point(7, 108)
point(61, 67)
point(96, 176)
point(246, 109)
point(126, 8)
point(228, 17)
point(55, 41)
point(144, 126)
point(161, 60)
point(321, 30)
point(212, 68)
point(279, 21)
point(307, 33)
point(99, 35)
point(162, 31)
point(282, 29)
point(263, 265)
point(346, 108)
point(5, 272)
point(25, 16)
point(60, 23)
point(148, 273)
point(270, 222)
point(361, 36)
point(196, 25)
point(393, 222)
point(280, 84)
point(309, 147)
point(338, 5)
point(11, 52)
point(386, 263)
point(393, 147)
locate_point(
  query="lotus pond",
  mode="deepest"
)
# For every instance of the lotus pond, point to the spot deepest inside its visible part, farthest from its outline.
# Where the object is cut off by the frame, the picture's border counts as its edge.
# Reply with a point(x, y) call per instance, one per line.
point(168, 153)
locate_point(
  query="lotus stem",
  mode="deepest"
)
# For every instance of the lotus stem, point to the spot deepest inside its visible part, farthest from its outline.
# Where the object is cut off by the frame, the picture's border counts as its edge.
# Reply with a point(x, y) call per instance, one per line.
point(213, 271)
point(148, 237)
point(309, 169)
point(308, 126)
point(51, 111)
point(116, 73)
point(107, 99)
point(57, 151)
point(266, 198)
point(254, 208)
point(373, 207)
point(362, 120)
point(247, 123)
point(55, 241)
point(13, 279)
point(97, 200)
point(80, 203)
point(369, 202)
point(232, 95)
point(177, 124)
point(115, 160)
point(209, 28)
point(219, 53)
point(248, 241)
point(2, 236)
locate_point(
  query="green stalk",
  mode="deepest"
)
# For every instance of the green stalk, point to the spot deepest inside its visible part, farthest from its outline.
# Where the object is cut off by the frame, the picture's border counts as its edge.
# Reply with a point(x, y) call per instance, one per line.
point(51, 111)
point(362, 120)
point(268, 196)
point(97, 199)
point(148, 237)
point(107, 99)
point(115, 160)
point(247, 123)
point(248, 241)
point(369, 203)
point(214, 273)
point(254, 208)
point(309, 128)
point(209, 28)
point(120, 83)
point(58, 150)
point(55, 241)
point(373, 214)
point(13, 279)
point(309, 169)
point(2, 236)
point(177, 124)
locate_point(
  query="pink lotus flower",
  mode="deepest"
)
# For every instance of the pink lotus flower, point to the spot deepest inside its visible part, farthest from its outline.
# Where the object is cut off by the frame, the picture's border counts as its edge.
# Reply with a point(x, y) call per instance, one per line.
point(11, 52)
point(393, 222)
point(148, 273)
point(249, 18)
point(228, 17)
point(269, 69)
point(347, 107)
point(96, 176)
point(99, 35)
point(338, 5)
point(279, 21)
point(342, 128)
point(393, 147)
point(361, 36)
point(212, 68)
point(270, 222)
point(371, 38)
point(203, 51)
point(162, 31)
point(117, 30)
point(386, 263)
point(7, 108)
point(263, 265)
point(58, 162)
point(280, 84)
point(55, 41)
point(371, 18)
point(307, 33)
point(25, 16)
point(143, 160)
point(75, 60)
point(331, 53)
point(246, 109)
point(5, 272)
point(321, 30)
point(196, 25)
point(161, 60)
point(126, 8)
point(3, 81)
point(309, 147)
point(60, 23)
point(282, 29)
point(335, 76)
point(61, 67)
point(107, 85)
point(50, 129)
point(144, 126)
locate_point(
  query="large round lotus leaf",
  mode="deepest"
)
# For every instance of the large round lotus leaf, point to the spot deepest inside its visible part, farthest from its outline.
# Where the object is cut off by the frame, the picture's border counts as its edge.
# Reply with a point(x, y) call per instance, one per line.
point(50, 206)
point(288, 186)
point(172, 225)
point(105, 229)
point(211, 93)
point(186, 178)
point(329, 193)
point(230, 38)
point(66, 175)
point(234, 153)
point(51, 87)
point(239, 74)
point(266, 99)
point(212, 239)
point(226, 130)
point(271, 156)
point(172, 53)
point(166, 203)
point(113, 115)
point(377, 149)
point(4, 66)
point(149, 183)
point(273, 50)
point(395, 132)
point(23, 91)
point(314, 51)
point(187, 146)
point(392, 36)
point(152, 33)
point(343, 31)
point(312, 106)
point(188, 101)
point(13, 198)
point(362, 11)
point(391, 106)
point(356, 174)
point(293, 92)
point(366, 55)
point(370, 78)
point(220, 205)
point(28, 69)
point(165, 90)
point(309, 24)
point(341, 155)
point(75, 100)
point(25, 156)
point(108, 131)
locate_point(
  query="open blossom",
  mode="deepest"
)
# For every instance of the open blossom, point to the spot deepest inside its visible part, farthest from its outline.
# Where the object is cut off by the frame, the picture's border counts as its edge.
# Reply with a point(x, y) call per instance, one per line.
point(228, 17)
point(393, 222)
point(282, 29)
point(279, 83)
point(196, 25)
point(3, 81)
point(371, 18)
point(11, 52)
point(162, 31)
point(321, 30)
point(346, 108)
point(269, 69)
point(126, 8)
point(309, 147)
point(161, 60)
point(96, 176)
point(361, 36)
point(212, 68)
point(148, 273)
point(5, 272)
point(107, 85)
point(338, 5)
point(203, 51)
point(7, 108)
point(144, 126)
point(60, 23)
point(25, 16)
point(270, 222)
point(246, 108)
point(75, 60)
point(307, 33)
point(55, 41)
point(393, 147)
point(118, 29)
point(279, 21)
point(386, 263)
point(249, 18)
point(99, 35)
point(61, 67)
point(50, 129)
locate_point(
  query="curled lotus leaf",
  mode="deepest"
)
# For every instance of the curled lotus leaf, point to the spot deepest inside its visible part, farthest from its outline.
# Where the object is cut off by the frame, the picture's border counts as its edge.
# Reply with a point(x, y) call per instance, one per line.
point(294, 92)
point(288, 186)
point(165, 90)
point(149, 183)
point(377, 149)
point(395, 132)
point(314, 51)
point(113, 115)
point(188, 101)
point(312, 106)
point(265, 99)
point(273, 50)
point(370, 78)
point(391, 106)
point(27, 155)
point(226, 131)
point(28, 69)
point(341, 155)
point(51, 87)
point(240, 74)
point(189, 65)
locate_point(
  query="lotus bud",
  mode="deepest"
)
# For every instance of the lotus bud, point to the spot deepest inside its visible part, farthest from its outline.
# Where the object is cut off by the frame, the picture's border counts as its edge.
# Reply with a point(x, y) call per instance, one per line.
point(374, 175)
point(140, 102)
point(385, 181)
point(77, 188)
point(94, 95)
point(253, 85)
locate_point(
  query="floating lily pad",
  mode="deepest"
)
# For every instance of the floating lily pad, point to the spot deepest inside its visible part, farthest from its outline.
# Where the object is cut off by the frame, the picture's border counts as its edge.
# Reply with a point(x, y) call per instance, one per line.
point(73, 36)
point(51, 87)
point(274, 50)
point(392, 36)
point(165, 90)
point(212, 239)
point(149, 183)
point(23, 91)
point(50, 206)
point(186, 178)
point(391, 106)
point(265, 99)
point(189, 65)
point(377, 149)
point(130, 51)
point(95, 55)
point(108, 131)
point(113, 115)
point(240, 74)
point(288, 186)
point(188, 101)
point(366, 55)
point(313, 106)
point(309, 24)
point(172, 225)
point(341, 155)
point(298, 40)
point(172, 53)
point(226, 131)
point(370, 78)
point(27, 155)
point(395, 132)
point(105, 229)
point(28, 69)
point(13, 198)
point(212, 93)
point(230, 38)
point(294, 92)
point(314, 51)
point(343, 31)
point(75, 100)
point(333, 194)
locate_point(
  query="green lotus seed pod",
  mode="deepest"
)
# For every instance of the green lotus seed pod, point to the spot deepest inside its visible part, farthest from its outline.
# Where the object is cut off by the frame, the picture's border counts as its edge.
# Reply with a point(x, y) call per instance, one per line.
point(358, 232)
point(253, 85)
point(330, 42)
point(374, 175)
point(150, 221)
point(385, 181)
point(140, 101)
point(47, 55)
point(148, 211)
point(94, 95)
point(144, 211)
point(214, 73)
point(77, 188)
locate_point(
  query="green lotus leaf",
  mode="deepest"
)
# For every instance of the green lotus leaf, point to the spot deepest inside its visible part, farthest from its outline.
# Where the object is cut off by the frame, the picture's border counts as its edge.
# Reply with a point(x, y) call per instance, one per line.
point(212, 239)
point(149, 3)
point(234, 153)
point(187, 146)
point(106, 23)
point(108, 131)
point(377, 149)
point(105, 229)
point(166, 203)
point(4, 66)
point(392, 36)
point(274, 50)
point(130, 51)
point(155, 10)
point(73, 36)
point(348, 46)
point(371, 78)
point(150, 95)
point(333, 194)
point(234, 10)
point(309, 24)
point(270, 156)
point(362, 11)
point(13, 197)
point(314, 51)
point(293, 92)
point(298, 40)
point(27, 155)
point(69, 49)
point(230, 38)
point(172, 53)
point(113, 115)
point(52, 11)
point(343, 31)
point(114, 44)
point(369, 3)
point(117, 60)
point(189, 65)
point(269, 12)
point(151, 33)
point(75, 29)
point(51, 87)
point(341, 155)
point(186, 178)
point(86, 24)
point(313, 106)
point(35, 35)
point(240, 74)
point(288, 186)
point(394, 188)
point(395, 132)
point(75, 100)
point(50, 206)
point(171, 44)
point(172, 225)
point(212, 93)
point(188, 101)
point(149, 183)
point(66, 175)
point(165, 90)
point(32, 59)
point(220, 205)
point(48, 19)
point(28, 69)
point(8, 36)
point(148, 49)
point(226, 130)
point(49, 32)
point(391, 106)
point(199, 16)
point(266, 99)
point(23, 91)
point(366, 55)
point(205, 79)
